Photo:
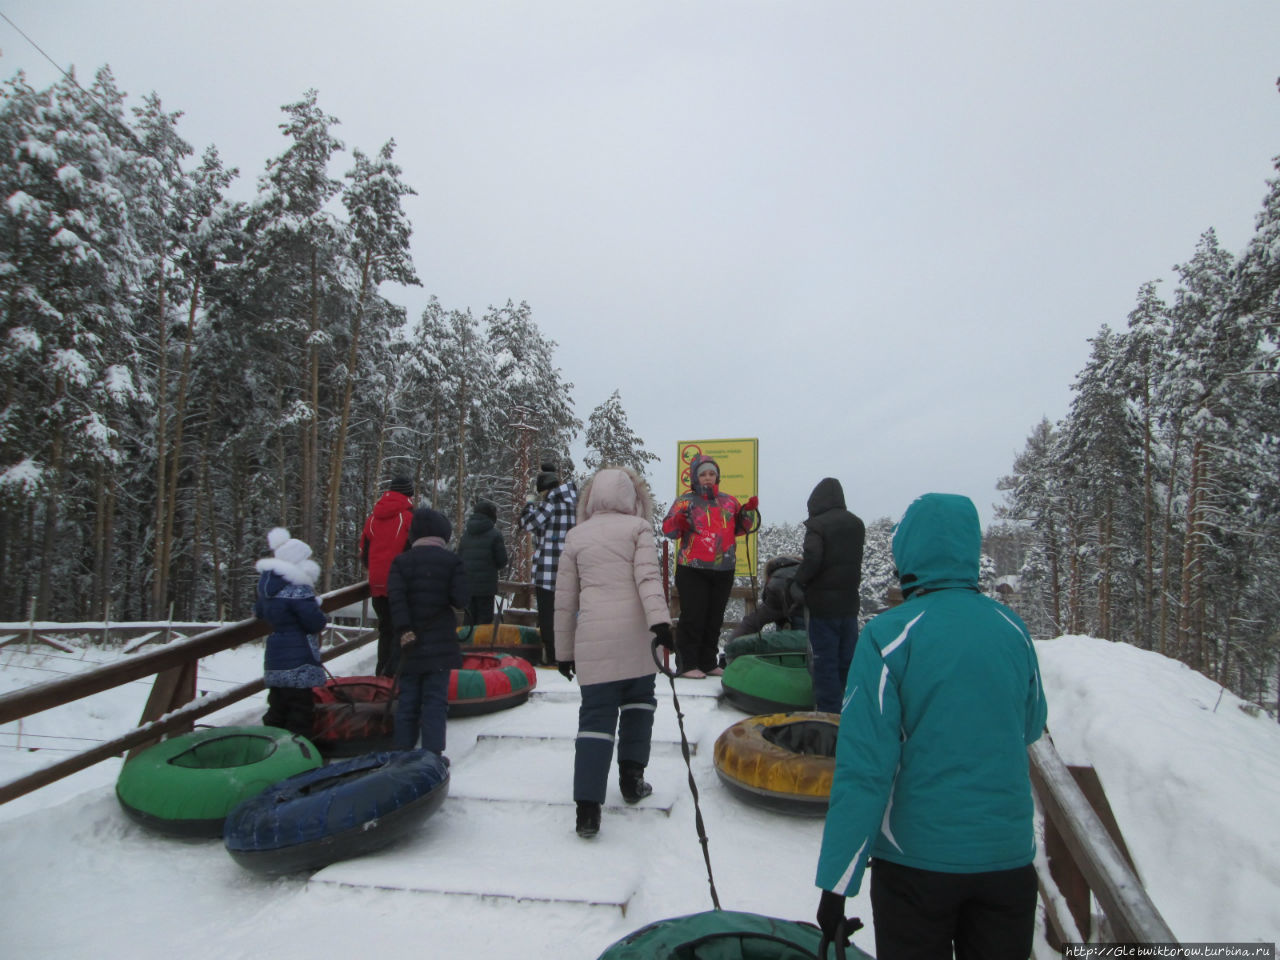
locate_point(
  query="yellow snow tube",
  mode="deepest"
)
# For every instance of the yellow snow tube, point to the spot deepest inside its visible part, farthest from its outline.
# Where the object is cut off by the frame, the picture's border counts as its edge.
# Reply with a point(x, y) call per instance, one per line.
point(781, 761)
point(502, 635)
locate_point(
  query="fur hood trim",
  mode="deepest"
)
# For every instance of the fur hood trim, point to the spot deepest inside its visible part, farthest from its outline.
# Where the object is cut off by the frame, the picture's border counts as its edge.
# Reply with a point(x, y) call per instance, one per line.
point(615, 490)
point(305, 573)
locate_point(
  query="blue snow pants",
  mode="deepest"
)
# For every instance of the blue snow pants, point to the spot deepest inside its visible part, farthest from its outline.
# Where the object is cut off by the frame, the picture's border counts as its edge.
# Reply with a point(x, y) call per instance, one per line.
point(831, 643)
point(617, 709)
point(422, 708)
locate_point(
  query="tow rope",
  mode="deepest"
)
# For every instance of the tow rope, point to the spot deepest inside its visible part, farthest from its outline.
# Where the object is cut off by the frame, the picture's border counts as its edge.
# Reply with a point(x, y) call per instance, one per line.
point(693, 786)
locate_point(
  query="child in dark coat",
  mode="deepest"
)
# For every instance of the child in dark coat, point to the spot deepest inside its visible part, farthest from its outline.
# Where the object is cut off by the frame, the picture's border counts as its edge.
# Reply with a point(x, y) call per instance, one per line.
point(287, 600)
point(425, 585)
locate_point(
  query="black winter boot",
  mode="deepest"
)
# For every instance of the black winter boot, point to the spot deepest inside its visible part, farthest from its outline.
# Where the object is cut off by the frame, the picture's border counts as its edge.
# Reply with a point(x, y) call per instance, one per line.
point(588, 819)
point(632, 783)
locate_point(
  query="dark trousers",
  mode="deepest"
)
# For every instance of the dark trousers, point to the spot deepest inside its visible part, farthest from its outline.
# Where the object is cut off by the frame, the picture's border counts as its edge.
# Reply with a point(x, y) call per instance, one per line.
point(480, 608)
point(919, 914)
point(422, 710)
point(831, 643)
point(546, 600)
point(290, 708)
point(388, 645)
point(618, 709)
point(703, 596)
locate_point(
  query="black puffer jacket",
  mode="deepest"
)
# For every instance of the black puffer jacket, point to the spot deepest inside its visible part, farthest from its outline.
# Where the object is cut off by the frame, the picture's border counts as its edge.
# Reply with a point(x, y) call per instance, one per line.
point(830, 571)
point(424, 585)
point(482, 551)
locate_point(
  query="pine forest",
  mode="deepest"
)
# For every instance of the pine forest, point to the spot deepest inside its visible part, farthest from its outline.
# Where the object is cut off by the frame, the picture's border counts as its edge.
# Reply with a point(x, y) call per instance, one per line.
point(183, 371)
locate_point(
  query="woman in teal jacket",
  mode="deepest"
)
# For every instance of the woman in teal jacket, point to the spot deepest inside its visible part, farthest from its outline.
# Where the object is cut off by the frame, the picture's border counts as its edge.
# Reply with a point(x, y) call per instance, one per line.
point(932, 780)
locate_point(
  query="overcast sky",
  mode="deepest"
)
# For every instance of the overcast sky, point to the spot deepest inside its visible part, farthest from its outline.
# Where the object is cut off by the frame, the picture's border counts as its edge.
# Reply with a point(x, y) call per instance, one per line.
point(875, 236)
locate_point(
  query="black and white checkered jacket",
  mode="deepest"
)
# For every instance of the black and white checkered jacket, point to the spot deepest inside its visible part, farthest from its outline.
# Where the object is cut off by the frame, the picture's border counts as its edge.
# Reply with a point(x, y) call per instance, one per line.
point(550, 520)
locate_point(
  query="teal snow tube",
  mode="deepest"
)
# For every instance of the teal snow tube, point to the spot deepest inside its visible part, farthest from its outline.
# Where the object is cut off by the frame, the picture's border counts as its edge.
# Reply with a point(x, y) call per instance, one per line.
point(769, 683)
point(186, 786)
point(723, 935)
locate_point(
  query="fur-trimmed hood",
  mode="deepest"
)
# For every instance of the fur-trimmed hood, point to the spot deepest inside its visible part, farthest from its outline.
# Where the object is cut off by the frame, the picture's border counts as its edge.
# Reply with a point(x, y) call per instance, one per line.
point(615, 490)
point(291, 559)
point(304, 574)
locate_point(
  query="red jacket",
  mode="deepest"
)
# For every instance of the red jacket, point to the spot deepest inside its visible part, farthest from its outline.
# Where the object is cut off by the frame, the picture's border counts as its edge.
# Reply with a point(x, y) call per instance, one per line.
point(385, 534)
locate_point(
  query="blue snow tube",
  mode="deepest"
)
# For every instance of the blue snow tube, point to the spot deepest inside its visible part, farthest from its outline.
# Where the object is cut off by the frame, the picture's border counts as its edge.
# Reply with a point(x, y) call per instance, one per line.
point(344, 810)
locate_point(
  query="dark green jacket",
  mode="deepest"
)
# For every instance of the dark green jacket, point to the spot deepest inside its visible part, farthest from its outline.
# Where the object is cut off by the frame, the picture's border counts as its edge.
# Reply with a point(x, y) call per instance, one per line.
point(483, 554)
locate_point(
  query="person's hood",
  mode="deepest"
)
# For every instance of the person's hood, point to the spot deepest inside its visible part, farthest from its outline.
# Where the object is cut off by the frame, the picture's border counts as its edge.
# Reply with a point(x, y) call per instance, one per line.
point(390, 504)
point(827, 495)
point(478, 523)
point(938, 543)
point(780, 563)
point(698, 463)
point(430, 523)
point(615, 490)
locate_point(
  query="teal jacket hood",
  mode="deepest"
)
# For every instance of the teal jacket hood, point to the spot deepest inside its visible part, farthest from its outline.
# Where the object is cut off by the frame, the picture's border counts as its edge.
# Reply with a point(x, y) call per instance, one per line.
point(938, 544)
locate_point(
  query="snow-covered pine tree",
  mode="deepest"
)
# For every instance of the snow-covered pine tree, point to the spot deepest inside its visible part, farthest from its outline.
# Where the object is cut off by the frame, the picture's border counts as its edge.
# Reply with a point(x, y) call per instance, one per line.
point(210, 239)
point(1100, 441)
point(1146, 356)
point(611, 441)
point(70, 282)
point(532, 394)
point(1034, 498)
point(293, 278)
point(379, 233)
point(879, 574)
point(159, 184)
point(1212, 349)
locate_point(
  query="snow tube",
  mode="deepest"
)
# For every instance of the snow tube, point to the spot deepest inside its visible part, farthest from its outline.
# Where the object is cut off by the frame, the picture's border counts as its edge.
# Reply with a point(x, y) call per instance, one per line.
point(769, 641)
point(502, 638)
point(353, 715)
point(185, 786)
point(723, 935)
point(344, 810)
point(783, 761)
point(488, 682)
point(769, 682)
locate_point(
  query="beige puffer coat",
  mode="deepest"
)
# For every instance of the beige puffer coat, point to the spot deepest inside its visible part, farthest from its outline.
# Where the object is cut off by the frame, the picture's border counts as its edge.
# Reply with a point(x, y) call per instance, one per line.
point(609, 587)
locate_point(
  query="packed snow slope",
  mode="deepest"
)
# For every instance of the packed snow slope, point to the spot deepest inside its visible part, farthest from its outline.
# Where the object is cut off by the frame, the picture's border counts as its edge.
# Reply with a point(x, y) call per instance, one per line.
point(1192, 773)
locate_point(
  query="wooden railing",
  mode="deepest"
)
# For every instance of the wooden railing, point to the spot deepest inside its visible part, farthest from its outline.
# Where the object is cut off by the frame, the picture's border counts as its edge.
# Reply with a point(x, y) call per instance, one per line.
point(172, 706)
point(1086, 859)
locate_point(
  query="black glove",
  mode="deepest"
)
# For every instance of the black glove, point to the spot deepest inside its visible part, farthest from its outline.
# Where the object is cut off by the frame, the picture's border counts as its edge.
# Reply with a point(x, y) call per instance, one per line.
point(831, 915)
point(566, 668)
point(663, 632)
point(795, 593)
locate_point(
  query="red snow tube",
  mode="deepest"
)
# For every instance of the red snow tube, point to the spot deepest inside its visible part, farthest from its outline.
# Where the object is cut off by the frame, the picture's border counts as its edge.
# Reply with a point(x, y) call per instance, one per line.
point(353, 715)
point(486, 683)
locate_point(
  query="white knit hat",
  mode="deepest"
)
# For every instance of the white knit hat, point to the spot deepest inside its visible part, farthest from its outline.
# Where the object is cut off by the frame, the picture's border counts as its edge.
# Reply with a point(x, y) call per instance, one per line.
point(286, 548)
point(293, 551)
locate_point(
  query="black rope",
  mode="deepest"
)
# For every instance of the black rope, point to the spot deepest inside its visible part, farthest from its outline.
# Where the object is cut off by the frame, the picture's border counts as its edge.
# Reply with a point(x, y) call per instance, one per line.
point(693, 786)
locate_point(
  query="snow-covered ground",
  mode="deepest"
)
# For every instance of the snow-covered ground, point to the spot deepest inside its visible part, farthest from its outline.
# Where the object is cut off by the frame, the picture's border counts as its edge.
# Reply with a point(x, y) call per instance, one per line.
point(1193, 777)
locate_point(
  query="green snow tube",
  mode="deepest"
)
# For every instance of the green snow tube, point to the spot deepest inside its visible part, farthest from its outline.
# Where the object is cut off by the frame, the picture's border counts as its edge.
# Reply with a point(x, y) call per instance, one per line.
point(186, 786)
point(723, 935)
point(769, 682)
point(769, 641)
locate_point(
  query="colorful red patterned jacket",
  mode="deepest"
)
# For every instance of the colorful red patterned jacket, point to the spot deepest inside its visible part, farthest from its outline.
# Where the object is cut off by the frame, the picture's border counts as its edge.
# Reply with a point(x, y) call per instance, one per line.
point(707, 527)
